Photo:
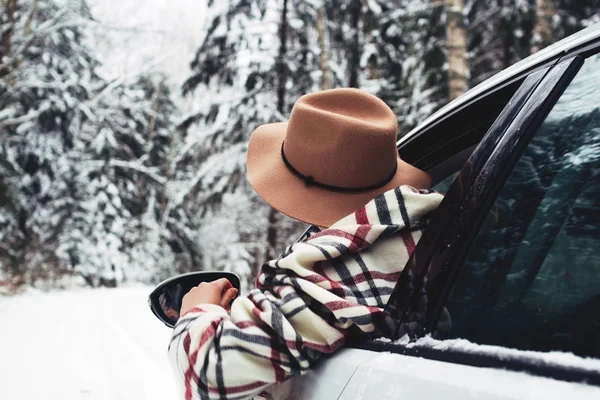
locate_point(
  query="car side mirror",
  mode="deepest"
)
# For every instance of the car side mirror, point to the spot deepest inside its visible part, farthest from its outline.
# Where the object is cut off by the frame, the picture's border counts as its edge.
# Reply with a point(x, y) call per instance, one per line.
point(165, 300)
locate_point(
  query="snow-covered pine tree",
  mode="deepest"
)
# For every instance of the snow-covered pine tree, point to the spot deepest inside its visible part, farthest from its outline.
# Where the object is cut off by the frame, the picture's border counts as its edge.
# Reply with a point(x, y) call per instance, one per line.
point(10, 234)
point(342, 20)
point(115, 233)
point(574, 15)
point(83, 161)
point(301, 43)
point(425, 62)
point(169, 241)
point(303, 53)
point(46, 74)
point(403, 57)
point(303, 68)
point(258, 57)
point(234, 78)
point(556, 19)
point(499, 34)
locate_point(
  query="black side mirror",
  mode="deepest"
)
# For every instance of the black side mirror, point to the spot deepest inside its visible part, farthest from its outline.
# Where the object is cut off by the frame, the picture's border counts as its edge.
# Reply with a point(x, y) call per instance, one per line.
point(165, 300)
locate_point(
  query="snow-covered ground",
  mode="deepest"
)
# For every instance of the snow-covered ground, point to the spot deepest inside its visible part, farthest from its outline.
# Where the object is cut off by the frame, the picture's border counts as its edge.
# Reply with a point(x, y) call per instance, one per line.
point(83, 344)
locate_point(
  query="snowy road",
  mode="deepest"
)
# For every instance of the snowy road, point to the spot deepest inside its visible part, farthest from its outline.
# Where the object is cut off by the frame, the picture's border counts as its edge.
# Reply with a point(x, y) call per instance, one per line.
point(83, 344)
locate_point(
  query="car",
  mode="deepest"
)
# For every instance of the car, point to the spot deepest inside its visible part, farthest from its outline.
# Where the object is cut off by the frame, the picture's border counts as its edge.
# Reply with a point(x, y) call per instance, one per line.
point(501, 297)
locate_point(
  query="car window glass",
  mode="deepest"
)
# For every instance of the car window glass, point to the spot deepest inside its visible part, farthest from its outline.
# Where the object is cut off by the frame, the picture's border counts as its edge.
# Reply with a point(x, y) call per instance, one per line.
point(532, 278)
point(444, 185)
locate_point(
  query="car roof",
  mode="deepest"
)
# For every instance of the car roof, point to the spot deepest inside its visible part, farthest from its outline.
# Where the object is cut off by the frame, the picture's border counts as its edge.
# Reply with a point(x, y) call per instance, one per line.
point(581, 42)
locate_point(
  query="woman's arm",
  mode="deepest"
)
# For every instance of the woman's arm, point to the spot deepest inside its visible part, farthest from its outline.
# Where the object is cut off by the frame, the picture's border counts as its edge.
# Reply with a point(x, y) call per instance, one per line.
point(266, 338)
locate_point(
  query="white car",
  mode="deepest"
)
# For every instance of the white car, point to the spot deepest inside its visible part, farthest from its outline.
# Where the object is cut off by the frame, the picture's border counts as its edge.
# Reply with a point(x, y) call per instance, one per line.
point(501, 298)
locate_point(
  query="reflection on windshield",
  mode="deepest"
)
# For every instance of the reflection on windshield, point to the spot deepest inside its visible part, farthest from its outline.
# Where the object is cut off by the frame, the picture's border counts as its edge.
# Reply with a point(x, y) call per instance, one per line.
point(532, 280)
point(582, 96)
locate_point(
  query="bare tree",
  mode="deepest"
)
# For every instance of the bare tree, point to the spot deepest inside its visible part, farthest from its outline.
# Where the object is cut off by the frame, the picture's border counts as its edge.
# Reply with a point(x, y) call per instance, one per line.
point(321, 30)
point(456, 44)
point(356, 11)
point(273, 219)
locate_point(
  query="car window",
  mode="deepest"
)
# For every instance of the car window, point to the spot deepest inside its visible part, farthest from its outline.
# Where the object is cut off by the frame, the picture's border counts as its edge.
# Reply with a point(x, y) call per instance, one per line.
point(532, 278)
point(444, 185)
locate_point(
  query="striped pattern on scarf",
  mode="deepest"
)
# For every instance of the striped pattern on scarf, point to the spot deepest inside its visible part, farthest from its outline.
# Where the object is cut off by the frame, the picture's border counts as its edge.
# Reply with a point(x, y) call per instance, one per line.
point(307, 303)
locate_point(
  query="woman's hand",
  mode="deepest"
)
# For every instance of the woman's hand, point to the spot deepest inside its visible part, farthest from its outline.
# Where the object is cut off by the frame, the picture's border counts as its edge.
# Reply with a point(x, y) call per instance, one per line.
point(219, 292)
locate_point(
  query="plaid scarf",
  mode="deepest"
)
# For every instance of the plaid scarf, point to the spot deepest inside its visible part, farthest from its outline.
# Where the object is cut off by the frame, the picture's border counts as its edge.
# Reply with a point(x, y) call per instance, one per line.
point(307, 303)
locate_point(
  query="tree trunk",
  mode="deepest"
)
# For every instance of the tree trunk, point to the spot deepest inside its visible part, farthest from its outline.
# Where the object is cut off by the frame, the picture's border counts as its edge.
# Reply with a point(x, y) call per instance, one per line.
point(354, 65)
point(149, 136)
point(321, 30)
point(168, 176)
point(6, 38)
point(281, 68)
point(542, 32)
point(272, 231)
point(27, 32)
point(456, 44)
point(31, 17)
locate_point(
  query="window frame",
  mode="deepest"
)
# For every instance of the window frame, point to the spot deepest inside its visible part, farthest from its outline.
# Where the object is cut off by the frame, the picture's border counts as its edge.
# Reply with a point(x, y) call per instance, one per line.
point(417, 270)
point(487, 100)
point(441, 252)
point(440, 260)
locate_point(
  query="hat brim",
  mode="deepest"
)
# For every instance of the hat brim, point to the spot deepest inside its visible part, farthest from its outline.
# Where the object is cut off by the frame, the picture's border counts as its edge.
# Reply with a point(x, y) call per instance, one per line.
point(274, 183)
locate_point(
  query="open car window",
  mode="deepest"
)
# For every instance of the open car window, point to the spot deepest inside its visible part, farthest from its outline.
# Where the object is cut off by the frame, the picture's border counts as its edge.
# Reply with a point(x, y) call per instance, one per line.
point(532, 278)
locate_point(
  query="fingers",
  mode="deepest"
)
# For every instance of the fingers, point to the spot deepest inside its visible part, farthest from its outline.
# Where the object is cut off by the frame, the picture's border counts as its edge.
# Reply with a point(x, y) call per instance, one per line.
point(222, 284)
point(220, 292)
point(228, 296)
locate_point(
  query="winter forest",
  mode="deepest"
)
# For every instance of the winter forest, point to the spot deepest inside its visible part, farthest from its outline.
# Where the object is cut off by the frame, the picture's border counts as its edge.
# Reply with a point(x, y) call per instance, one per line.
point(106, 180)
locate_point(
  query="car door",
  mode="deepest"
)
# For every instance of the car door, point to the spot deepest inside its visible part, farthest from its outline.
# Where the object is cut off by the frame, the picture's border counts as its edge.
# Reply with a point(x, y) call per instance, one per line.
point(512, 258)
point(430, 286)
point(531, 279)
point(508, 272)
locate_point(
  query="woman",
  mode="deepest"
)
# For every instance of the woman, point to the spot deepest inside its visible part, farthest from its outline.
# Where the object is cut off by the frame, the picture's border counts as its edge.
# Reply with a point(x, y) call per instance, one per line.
point(333, 164)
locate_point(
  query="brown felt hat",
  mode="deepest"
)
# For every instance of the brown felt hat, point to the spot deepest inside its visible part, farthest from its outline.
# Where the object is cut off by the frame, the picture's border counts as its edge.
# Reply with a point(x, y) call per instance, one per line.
point(335, 154)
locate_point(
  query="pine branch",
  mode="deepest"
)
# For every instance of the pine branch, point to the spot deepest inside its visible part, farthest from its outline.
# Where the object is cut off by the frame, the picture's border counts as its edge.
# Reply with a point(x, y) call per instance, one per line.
point(31, 115)
point(139, 168)
point(149, 66)
point(209, 166)
point(60, 86)
point(214, 129)
point(30, 18)
point(44, 29)
point(130, 165)
point(129, 29)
